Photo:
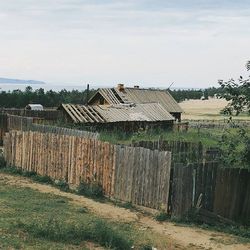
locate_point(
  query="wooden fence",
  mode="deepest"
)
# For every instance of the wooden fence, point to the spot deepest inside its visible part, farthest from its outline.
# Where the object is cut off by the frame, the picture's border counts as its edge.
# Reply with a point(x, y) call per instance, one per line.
point(48, 114)
point(218, 124)
point(232, 194)
point(131, 174)
point(3, 127)
point(191, 183)
point(139, 175)
point(224, 191)
point(144, 172)
point(182, 152)
point(20, 123)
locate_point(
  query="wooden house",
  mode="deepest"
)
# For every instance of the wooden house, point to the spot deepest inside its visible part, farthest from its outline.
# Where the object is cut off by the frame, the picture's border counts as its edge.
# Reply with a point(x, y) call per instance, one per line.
point(127, 109)
point(136, 95)
point(124, 117)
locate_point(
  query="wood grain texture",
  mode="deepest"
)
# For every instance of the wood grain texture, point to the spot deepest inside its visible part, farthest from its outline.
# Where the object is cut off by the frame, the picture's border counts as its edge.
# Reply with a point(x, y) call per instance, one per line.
point(132, 174)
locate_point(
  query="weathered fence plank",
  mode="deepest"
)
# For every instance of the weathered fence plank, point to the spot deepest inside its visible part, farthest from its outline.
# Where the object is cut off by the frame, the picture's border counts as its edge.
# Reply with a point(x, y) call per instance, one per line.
point(223, 191)
point(232, 195)
point(131, 174)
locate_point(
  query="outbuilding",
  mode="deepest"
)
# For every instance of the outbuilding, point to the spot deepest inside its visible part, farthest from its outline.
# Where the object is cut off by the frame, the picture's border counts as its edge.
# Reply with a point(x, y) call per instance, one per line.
point(37, 107)
point(124, 117)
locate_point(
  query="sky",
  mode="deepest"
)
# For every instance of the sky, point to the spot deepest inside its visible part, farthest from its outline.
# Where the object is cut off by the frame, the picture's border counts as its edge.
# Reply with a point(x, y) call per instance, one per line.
point(144, 42)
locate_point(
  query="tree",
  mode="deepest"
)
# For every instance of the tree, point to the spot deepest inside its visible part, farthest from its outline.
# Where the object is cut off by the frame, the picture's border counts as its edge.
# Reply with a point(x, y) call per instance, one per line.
point(237, 93)
point(235, 145)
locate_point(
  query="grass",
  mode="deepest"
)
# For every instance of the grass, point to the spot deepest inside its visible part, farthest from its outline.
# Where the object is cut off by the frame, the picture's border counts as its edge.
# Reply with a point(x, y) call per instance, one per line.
point(162, 216)
point(208, 137)
point(91, 190)
point(241, 232)
point(34, 220)
point(191, 219)
point(32, 175)
point(95, 230)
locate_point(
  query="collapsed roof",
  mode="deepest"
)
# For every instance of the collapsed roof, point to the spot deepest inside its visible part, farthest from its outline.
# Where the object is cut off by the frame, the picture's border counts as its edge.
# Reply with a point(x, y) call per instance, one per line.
point(122, 95)
point(150, 112)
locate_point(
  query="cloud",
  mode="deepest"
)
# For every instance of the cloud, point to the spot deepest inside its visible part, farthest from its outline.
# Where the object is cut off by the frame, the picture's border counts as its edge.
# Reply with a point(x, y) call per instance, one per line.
point(189, 42)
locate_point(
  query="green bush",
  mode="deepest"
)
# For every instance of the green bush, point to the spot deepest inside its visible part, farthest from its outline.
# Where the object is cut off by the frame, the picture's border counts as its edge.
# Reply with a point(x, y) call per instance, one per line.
point(62, 185)
point(2, 160)
point(12, 170)
point(146, 247)
point(127, 205)
point(29, 174)
point(42, 179)
point(93, 190)
point(235, 148)
point(162, 216)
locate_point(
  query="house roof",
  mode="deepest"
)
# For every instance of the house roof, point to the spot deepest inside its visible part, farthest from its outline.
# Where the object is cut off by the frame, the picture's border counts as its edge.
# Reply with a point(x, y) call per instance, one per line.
point(150, 112)
point(34, 106)
point(139, 96)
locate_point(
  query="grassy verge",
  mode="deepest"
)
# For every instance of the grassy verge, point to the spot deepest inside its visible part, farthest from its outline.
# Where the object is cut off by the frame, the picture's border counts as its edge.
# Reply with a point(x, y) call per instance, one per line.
point(205, 136)
point(91, 190)
point(34, 220)
point(242, 232)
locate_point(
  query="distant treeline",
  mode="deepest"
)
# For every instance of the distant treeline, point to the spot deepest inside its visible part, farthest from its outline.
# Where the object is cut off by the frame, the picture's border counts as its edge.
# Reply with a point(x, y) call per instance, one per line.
point(19, 99)
point(181, 95)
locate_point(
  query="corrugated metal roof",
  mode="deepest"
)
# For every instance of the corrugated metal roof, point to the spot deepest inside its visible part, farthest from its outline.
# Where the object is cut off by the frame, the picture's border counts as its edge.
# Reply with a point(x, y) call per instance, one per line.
point(117, 113)
point(140, 96)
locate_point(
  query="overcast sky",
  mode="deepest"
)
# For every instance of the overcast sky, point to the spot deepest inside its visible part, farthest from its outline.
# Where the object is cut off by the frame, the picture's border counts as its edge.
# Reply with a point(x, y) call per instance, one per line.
point(144, 42)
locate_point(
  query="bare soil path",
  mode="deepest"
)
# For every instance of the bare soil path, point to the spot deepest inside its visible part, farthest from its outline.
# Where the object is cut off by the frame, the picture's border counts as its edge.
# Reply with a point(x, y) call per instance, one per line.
point(183, 237)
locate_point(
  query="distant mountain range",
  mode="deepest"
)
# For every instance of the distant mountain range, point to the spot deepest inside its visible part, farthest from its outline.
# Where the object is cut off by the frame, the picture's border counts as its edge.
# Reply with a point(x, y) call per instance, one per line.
point(18, 81)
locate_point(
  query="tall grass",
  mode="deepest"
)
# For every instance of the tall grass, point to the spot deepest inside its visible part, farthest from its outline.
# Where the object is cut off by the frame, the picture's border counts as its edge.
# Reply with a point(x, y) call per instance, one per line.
point(92, 190)
point(96, 230)
point(205, 136)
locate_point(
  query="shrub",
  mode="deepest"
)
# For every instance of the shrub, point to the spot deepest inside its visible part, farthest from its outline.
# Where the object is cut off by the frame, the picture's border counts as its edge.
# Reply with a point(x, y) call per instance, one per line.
point(2, 160)
point(29, 174)
point(235, 148)
point(162, 216)
point(42, 179)
point(62, 185)
point(93, 190)
point(12, 170)
point(146, 247)
point(127, 205)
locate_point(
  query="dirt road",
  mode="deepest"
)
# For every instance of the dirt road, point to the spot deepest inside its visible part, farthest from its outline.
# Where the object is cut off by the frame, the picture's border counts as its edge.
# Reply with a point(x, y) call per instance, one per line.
point(182, 236)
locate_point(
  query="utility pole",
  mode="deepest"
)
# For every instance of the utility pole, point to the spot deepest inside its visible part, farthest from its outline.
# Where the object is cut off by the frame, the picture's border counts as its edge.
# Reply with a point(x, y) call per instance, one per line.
point(87, 94)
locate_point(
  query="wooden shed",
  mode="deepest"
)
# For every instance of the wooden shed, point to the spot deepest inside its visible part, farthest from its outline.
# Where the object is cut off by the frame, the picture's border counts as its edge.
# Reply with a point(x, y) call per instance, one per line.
point(120, 116)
